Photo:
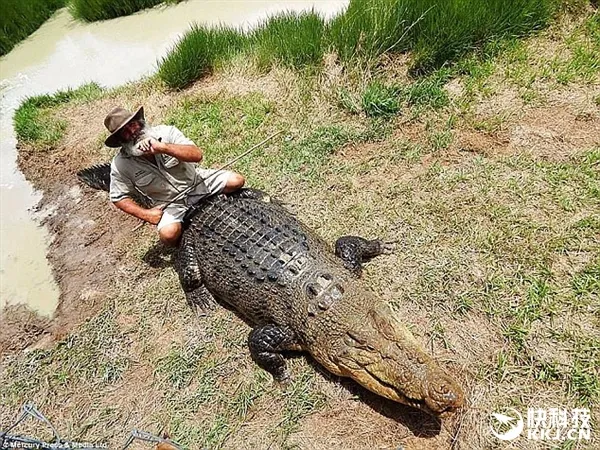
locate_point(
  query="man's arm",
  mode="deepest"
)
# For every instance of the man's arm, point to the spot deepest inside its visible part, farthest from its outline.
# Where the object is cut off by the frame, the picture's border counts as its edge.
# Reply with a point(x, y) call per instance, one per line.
point(183, 152)
point(152, 215)
point(121, 188)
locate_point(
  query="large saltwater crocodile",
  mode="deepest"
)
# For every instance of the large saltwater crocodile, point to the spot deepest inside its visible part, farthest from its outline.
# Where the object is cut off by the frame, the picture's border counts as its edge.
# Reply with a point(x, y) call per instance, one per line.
point(252, 254)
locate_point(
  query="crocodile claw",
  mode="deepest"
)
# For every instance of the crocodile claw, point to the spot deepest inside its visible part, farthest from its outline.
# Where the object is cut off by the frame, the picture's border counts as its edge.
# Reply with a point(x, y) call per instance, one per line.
point(201, 301)
point(284, 380)
point(387, 248)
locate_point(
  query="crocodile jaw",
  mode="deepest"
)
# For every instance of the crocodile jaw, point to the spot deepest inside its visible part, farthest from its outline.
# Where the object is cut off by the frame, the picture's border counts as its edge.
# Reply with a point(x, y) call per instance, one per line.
point(383, 356)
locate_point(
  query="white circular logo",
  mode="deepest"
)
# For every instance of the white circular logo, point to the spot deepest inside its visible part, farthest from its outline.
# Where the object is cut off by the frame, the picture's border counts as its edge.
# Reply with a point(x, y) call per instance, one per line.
point(505, 427)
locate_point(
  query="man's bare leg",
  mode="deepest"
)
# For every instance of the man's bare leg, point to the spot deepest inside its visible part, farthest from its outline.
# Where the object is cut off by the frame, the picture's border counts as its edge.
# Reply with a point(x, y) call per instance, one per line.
point(170, 234)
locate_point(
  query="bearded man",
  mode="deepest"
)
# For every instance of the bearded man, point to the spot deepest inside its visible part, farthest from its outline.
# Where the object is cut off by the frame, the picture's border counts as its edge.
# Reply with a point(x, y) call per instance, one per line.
point(160, 163)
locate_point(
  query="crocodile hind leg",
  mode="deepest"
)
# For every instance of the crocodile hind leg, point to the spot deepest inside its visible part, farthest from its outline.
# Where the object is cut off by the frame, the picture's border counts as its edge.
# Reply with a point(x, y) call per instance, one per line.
point(266, 344)
point(354, 251)
point(190, 278)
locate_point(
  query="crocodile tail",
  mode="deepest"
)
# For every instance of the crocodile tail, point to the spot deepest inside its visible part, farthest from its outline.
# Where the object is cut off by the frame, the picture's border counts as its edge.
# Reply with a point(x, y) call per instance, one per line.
point(97, 177)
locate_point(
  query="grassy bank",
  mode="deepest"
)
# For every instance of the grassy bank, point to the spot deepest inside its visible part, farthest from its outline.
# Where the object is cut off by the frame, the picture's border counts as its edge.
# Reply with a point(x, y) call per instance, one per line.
point(20, 18)
point(486, 174)
point(435, 32)
point(34, 122)
point(94, 10)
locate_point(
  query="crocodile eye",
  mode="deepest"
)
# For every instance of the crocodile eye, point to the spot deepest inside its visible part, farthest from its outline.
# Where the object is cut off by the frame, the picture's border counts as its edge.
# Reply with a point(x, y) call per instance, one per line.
point(337, 291)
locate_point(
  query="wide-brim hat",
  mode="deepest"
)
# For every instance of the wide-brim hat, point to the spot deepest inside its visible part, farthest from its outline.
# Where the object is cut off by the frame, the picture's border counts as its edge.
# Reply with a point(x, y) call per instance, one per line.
point(116, 120)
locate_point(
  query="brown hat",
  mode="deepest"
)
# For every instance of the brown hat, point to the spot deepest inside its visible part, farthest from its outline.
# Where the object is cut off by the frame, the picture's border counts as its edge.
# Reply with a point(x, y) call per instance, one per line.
point(116, 120)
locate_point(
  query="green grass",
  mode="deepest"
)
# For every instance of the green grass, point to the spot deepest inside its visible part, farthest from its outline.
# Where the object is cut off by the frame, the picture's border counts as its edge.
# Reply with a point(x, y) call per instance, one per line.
point(20, 18)
point(199, 51)
point(301, 399)
point(35, 122)
point(367, 30)
point(380, 100)
point(180, 365)
point(587, 282)
point(290, 39)
point(576, 60)
point(437, 32)
point(226, 126)
point(451, 29)
point(94, 10)
point(427, 91)
point(584, 382)
point(496, 270)
point(223, 126)
point(304, 160)
point(95, 356)
point(584, 61)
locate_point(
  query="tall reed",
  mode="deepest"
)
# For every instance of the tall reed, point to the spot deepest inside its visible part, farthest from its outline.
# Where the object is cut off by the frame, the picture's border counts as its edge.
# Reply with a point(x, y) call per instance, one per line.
point(451, 28)
point(437, 31)
point(198, 52)
point(20, 18)
point(93, 10)
point(368, 29)
point(291, 39)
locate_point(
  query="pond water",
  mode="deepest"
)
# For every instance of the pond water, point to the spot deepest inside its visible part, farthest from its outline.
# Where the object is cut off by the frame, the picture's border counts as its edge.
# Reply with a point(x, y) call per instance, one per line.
point(65, 53)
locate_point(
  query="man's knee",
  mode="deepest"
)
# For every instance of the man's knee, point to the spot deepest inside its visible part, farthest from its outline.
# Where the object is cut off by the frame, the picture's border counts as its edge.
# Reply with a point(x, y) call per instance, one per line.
point(169, 234)
point(234, 182)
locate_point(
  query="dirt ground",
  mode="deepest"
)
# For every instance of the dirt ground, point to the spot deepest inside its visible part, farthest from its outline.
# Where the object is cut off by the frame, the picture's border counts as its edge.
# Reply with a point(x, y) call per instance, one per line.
point(157, 366)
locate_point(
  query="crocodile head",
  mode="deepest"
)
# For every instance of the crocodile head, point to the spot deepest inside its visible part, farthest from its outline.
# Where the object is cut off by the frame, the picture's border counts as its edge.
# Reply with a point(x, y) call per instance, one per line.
point(383, 356)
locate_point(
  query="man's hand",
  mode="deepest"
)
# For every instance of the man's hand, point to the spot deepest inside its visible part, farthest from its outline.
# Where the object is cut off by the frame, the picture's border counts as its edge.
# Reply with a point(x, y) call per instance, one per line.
point(151, 146)
point(183, 152)
point(153, 215)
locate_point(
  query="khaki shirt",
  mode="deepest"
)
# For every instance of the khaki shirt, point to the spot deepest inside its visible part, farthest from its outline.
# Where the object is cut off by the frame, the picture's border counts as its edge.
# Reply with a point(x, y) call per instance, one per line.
point(162, 181)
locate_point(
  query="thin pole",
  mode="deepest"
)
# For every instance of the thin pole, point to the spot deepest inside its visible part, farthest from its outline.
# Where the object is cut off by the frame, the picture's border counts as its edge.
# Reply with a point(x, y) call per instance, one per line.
point(220, 169)
point(183, 193)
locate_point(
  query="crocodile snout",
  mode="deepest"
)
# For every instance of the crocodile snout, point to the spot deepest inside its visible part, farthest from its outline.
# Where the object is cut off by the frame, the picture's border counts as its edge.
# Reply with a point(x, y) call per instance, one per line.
point(443, 396)
point(383, 356)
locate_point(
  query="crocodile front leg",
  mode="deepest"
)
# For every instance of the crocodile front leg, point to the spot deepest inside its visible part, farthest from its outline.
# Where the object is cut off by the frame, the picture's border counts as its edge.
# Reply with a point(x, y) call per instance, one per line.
point(266, 344)
point(190, 278)
point(355, 250)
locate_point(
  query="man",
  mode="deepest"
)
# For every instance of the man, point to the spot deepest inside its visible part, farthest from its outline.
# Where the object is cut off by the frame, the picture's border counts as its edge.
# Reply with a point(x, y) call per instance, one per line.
point(159, 162)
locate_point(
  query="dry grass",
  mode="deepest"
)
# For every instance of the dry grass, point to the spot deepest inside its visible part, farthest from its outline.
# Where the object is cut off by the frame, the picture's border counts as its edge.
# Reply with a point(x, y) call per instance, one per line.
point(493, 200)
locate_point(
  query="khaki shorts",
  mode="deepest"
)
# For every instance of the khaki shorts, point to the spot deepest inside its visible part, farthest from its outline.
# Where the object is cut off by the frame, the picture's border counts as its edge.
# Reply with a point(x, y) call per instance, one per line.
point(176, 211)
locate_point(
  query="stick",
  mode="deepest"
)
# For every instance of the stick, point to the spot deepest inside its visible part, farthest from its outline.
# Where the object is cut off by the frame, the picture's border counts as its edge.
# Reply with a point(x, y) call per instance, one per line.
point(220, 169)
point(183, 193)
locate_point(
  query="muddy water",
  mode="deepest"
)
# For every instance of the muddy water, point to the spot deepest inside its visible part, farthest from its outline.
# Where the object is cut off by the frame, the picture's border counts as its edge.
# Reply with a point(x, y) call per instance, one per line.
point(65, 53)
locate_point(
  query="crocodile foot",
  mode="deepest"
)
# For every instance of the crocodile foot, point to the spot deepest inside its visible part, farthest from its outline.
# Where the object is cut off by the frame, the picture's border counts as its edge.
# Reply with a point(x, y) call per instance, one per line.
point(285, 381)
point(387, 248)
point(266, 344)
point(201, 302)
point(355, 250)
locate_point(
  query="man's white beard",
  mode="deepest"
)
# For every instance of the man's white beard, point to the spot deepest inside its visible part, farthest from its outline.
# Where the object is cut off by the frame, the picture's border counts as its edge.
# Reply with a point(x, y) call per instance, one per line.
point(131, 148)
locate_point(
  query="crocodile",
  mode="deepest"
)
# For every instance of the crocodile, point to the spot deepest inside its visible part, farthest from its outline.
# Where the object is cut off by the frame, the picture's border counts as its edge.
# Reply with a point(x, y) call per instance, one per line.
point(252, 255)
